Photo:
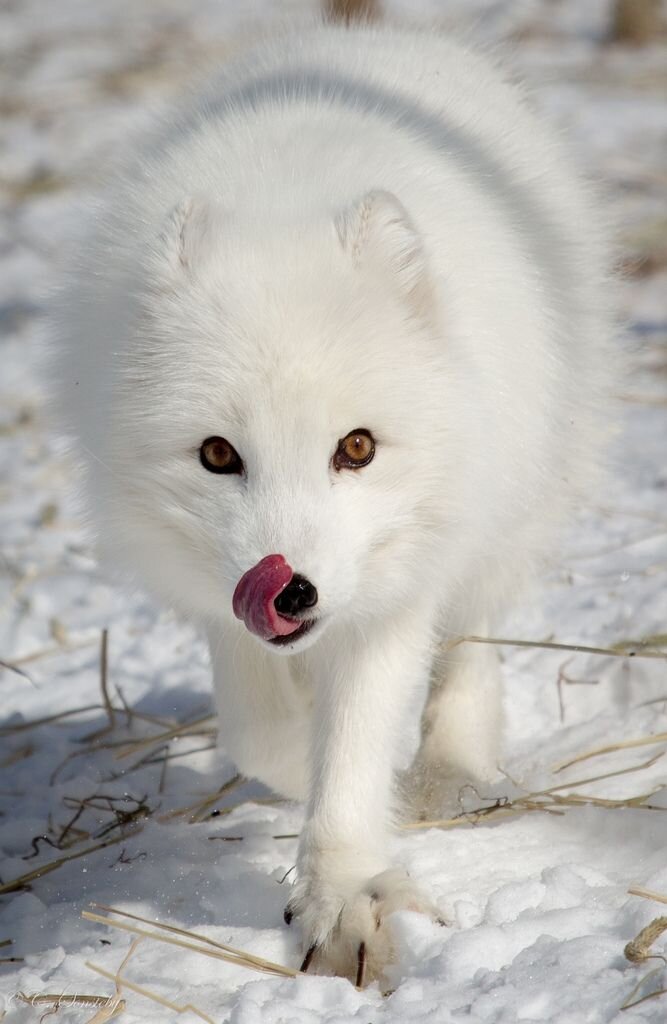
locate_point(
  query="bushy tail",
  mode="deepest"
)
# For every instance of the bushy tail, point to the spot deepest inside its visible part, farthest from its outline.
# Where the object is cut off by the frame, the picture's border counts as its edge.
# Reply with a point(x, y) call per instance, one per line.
point(351, 10)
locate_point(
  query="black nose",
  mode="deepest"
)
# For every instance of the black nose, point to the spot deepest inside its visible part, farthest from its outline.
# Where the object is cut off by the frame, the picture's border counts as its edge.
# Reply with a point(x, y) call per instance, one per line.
point(297, 595)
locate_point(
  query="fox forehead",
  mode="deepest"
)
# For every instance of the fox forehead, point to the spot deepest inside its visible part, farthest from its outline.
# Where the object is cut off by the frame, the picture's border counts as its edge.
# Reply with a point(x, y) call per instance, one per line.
point(275, 360)
point(308, 331)
point(285, 390)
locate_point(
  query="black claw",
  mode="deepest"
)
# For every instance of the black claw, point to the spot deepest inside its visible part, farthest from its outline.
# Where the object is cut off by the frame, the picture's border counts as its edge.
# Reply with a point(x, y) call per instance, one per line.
point(307, 958)
point(361, 964)
point(441, 921)
point(288, 915)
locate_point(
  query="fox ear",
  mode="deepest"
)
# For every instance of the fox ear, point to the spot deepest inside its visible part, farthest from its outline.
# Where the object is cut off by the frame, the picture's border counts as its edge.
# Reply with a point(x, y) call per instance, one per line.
point(379, 228)
point(187, 234)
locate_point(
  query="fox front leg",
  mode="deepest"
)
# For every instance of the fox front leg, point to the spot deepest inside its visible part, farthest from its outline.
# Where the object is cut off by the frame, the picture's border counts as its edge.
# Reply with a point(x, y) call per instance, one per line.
point(346, 887)
point(264, 719)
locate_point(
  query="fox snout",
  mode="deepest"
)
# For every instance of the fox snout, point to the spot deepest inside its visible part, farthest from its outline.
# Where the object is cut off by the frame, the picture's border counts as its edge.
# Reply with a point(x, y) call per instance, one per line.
point(269, 597)
point(298, 595)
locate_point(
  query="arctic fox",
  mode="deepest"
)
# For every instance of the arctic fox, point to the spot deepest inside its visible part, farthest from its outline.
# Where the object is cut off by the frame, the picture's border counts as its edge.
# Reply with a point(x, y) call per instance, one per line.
point(334, 359)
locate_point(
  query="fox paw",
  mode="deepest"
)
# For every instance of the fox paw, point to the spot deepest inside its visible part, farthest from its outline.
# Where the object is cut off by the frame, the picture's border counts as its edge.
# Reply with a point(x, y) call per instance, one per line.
point(349, 934)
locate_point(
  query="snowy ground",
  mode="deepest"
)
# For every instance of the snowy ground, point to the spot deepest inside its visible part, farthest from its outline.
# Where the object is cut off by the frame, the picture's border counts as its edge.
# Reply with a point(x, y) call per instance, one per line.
point(538, 901)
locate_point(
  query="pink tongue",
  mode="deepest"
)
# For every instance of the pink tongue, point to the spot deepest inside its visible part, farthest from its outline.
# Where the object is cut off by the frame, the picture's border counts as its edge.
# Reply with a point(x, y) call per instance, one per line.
point(254, 596)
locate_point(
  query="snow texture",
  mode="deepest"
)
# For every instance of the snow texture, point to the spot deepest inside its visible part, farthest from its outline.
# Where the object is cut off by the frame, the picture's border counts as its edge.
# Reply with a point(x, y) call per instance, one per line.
point(537, 903)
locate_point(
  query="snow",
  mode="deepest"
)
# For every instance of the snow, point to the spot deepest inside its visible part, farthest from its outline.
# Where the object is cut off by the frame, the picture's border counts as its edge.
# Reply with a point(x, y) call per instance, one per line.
point(537, 903)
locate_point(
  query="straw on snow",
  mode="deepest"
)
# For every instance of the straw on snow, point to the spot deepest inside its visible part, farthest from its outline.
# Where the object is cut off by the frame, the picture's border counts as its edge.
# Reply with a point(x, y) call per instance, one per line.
point(610, 748)
point(53, 865)
point(34, 723)
point(617, 651)
point(647, 894)
point(549, 800)
point(197, 809)
point(639, 948)
point(631, 1001)
point(639, 951)
point(49, 652)
point(8, 730)
point(218, 950)
point(183, 729)
point(546, 801)
point(141, 990)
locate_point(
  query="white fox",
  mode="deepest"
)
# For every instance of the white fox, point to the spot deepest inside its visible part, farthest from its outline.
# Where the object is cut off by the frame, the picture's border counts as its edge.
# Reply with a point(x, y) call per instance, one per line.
point(335, 359)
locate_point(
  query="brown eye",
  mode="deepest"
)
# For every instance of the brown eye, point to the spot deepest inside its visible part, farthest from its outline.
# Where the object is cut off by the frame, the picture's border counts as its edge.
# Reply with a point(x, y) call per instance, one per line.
point(355, 450)
point(219, 456)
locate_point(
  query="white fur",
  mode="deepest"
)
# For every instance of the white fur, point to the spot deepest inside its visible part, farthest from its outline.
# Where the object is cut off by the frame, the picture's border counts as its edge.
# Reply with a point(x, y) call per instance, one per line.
point(354, 228)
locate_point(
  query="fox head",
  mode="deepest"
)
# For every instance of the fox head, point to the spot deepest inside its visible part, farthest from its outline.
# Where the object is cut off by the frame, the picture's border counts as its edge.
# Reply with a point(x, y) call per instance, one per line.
point(279, 442)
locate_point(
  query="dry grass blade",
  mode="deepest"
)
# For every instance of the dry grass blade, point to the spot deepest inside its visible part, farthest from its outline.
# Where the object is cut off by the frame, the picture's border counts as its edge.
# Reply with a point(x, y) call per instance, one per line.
point(576, 799)
point(53, 865)
point(175, 930)
point(11, 667)
point(104, 687)
point(9, 730)
point(218, 950)
point(639, 948)
point(647, 894)
point(4, 944)
point(612, 652)
point(103, 1015)
point(469, 818)
point(160, 738)
point(18, 754)
point(550, 801)
point(200, 812)
point(270, 801)
point(655, 640)
point(610, 748)
point(606, 775)
point(48, 652)
point(197, 809)
point(142, 991)
point(240, 839)
point(107, 1013)
point(104, 678)
point(631, 1001)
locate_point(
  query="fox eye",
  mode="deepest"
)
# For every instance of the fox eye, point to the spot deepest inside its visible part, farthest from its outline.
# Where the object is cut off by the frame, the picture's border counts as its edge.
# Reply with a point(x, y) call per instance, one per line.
point(219, 456)
point(354, 450)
